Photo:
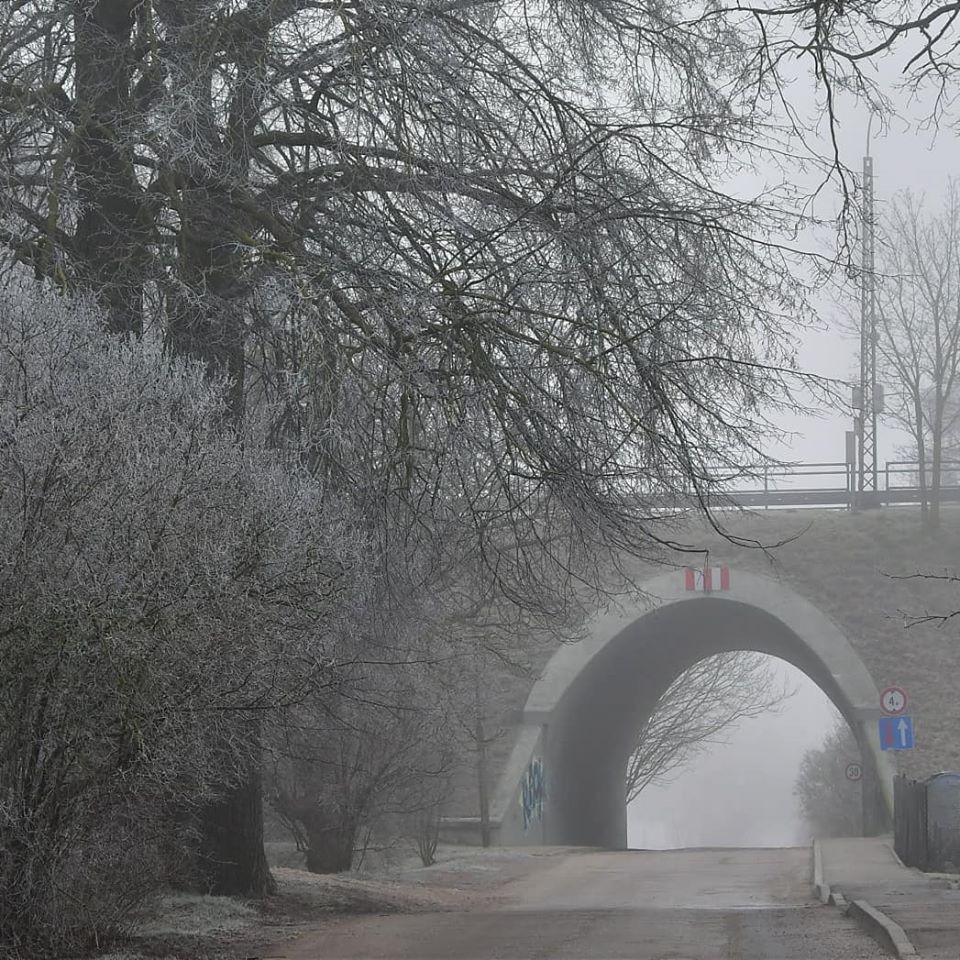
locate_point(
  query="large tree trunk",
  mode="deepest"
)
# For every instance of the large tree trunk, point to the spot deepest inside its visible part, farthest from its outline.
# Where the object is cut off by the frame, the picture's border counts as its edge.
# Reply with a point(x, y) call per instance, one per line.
point(331, 846)
point(206, 322)
point(231, 857)
point(205, 318)
point(110, 235)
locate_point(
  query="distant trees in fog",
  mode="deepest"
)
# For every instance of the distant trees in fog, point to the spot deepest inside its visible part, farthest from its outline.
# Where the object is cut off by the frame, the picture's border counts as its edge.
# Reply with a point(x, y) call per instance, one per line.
point(829, 802)
point(919, 331)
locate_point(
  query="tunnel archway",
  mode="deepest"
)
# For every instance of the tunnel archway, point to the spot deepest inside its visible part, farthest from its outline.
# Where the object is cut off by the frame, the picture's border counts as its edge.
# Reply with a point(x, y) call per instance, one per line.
point(564, 782)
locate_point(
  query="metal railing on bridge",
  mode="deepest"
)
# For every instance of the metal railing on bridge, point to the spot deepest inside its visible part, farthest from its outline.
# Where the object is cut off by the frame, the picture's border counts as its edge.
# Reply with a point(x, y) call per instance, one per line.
point(833, 486)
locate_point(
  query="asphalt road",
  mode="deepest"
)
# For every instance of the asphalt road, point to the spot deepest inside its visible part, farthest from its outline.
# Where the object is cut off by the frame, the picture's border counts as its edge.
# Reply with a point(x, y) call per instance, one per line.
point(680, 905)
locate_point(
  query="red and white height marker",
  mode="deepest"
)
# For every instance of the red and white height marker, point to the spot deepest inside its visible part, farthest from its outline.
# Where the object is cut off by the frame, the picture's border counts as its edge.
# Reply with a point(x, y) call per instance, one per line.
point(707, 579)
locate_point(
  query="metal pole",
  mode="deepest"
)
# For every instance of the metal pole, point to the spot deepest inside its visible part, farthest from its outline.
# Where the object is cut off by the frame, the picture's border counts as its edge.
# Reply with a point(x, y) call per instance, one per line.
point(868, 494)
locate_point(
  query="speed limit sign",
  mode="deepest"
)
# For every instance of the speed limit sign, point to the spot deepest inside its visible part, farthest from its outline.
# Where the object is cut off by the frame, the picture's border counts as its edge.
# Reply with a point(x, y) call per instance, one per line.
point(893, 701)
point(854, 771)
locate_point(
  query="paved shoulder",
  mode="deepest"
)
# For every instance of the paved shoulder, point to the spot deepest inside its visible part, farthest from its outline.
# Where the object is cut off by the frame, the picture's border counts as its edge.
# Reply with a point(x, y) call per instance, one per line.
point(925, 907)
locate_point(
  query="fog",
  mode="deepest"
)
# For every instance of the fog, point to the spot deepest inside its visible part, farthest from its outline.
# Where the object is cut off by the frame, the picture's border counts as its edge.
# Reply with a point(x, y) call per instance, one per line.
point(909, 153)
point(739, 793)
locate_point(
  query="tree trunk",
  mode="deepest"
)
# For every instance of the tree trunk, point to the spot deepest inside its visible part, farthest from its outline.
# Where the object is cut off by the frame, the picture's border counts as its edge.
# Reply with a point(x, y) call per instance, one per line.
point(428, 833)
point(330, 835)
point(483, 791)
point(231, 857)
point(110, 235)
point(205, 321)
point(921, 458)
point(331, 845)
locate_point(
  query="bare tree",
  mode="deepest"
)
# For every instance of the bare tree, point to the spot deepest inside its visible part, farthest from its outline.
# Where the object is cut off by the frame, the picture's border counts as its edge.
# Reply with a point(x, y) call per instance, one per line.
point(496, 308)
point(829, 801)
point(700, 708)
point(507, 311)
point(919, 324)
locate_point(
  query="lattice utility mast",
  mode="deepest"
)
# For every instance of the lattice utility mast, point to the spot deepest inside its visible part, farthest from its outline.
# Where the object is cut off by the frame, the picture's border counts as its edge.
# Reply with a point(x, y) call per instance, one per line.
point(869, 394)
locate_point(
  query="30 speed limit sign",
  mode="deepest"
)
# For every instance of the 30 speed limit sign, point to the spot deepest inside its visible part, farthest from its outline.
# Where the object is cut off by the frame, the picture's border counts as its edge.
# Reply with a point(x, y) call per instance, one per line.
point(893, 701)
point(854, 771)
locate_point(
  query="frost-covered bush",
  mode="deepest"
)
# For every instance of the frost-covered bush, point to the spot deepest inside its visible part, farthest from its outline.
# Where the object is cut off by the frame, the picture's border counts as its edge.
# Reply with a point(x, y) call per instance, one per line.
point(368, 763)
point(157, 578)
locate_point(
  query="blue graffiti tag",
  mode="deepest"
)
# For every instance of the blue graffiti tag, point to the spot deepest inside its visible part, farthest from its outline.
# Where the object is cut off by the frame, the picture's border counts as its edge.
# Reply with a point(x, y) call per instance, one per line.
point(533, 791)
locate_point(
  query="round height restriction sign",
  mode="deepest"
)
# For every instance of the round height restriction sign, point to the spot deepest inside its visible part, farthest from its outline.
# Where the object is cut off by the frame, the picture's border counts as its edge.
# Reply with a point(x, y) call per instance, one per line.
point(854, 771)
point(893, 701)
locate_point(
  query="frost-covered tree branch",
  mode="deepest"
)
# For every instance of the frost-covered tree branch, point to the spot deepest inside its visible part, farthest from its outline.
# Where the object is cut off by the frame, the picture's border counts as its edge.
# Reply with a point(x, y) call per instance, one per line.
point(701, 708)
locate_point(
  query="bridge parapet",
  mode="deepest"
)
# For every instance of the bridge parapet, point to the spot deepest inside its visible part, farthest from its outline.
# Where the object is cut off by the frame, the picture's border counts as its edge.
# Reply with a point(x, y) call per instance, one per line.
point(832, 485)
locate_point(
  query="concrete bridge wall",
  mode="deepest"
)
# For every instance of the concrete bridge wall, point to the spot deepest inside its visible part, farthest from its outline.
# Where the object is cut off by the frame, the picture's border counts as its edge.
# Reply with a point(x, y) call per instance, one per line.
point(829, 599)
point(581, 715)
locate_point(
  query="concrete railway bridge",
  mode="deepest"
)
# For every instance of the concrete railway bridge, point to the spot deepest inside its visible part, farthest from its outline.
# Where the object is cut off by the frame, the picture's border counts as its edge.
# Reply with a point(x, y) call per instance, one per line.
point(834, 601)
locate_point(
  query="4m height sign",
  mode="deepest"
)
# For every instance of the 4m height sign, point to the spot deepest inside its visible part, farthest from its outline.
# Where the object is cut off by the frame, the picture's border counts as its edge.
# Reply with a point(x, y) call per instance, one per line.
point(893, 701)
point(895, 729)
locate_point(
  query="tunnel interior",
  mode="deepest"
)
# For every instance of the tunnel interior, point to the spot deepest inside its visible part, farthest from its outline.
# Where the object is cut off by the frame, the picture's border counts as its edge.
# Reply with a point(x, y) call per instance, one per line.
point(591, 733)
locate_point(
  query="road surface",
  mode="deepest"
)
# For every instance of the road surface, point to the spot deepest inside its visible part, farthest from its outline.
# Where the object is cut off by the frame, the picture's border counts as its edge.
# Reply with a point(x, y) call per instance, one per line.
point(634, 905)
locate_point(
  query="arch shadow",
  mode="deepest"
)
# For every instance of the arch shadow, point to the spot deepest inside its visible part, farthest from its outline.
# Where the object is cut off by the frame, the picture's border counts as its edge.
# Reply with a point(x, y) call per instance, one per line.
point(564, 781)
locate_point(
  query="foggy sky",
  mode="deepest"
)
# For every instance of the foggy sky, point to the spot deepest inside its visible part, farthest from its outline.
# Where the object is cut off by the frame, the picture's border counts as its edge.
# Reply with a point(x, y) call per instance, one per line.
point(908, 153)
point(740, 793)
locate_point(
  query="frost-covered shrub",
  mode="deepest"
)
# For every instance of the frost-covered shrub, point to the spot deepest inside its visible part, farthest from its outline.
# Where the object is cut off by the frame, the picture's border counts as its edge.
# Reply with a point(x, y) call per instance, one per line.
point(364, 764)
point(157, 578)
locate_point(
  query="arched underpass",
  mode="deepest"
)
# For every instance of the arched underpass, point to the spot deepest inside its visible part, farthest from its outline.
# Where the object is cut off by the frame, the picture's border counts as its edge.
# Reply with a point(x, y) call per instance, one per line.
point(564, 783)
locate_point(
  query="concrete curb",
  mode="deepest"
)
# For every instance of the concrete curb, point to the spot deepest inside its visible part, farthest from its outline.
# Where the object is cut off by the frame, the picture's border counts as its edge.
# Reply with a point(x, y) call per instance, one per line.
point(821, 890)
point(889, 933)
point(893, 853)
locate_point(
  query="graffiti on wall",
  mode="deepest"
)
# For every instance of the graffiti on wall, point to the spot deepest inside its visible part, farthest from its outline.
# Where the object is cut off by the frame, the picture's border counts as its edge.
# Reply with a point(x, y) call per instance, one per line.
point(533, 791)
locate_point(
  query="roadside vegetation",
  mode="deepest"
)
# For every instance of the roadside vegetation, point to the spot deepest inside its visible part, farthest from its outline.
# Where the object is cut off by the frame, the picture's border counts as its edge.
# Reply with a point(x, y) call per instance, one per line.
point(830, 802)
point(341, 346)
